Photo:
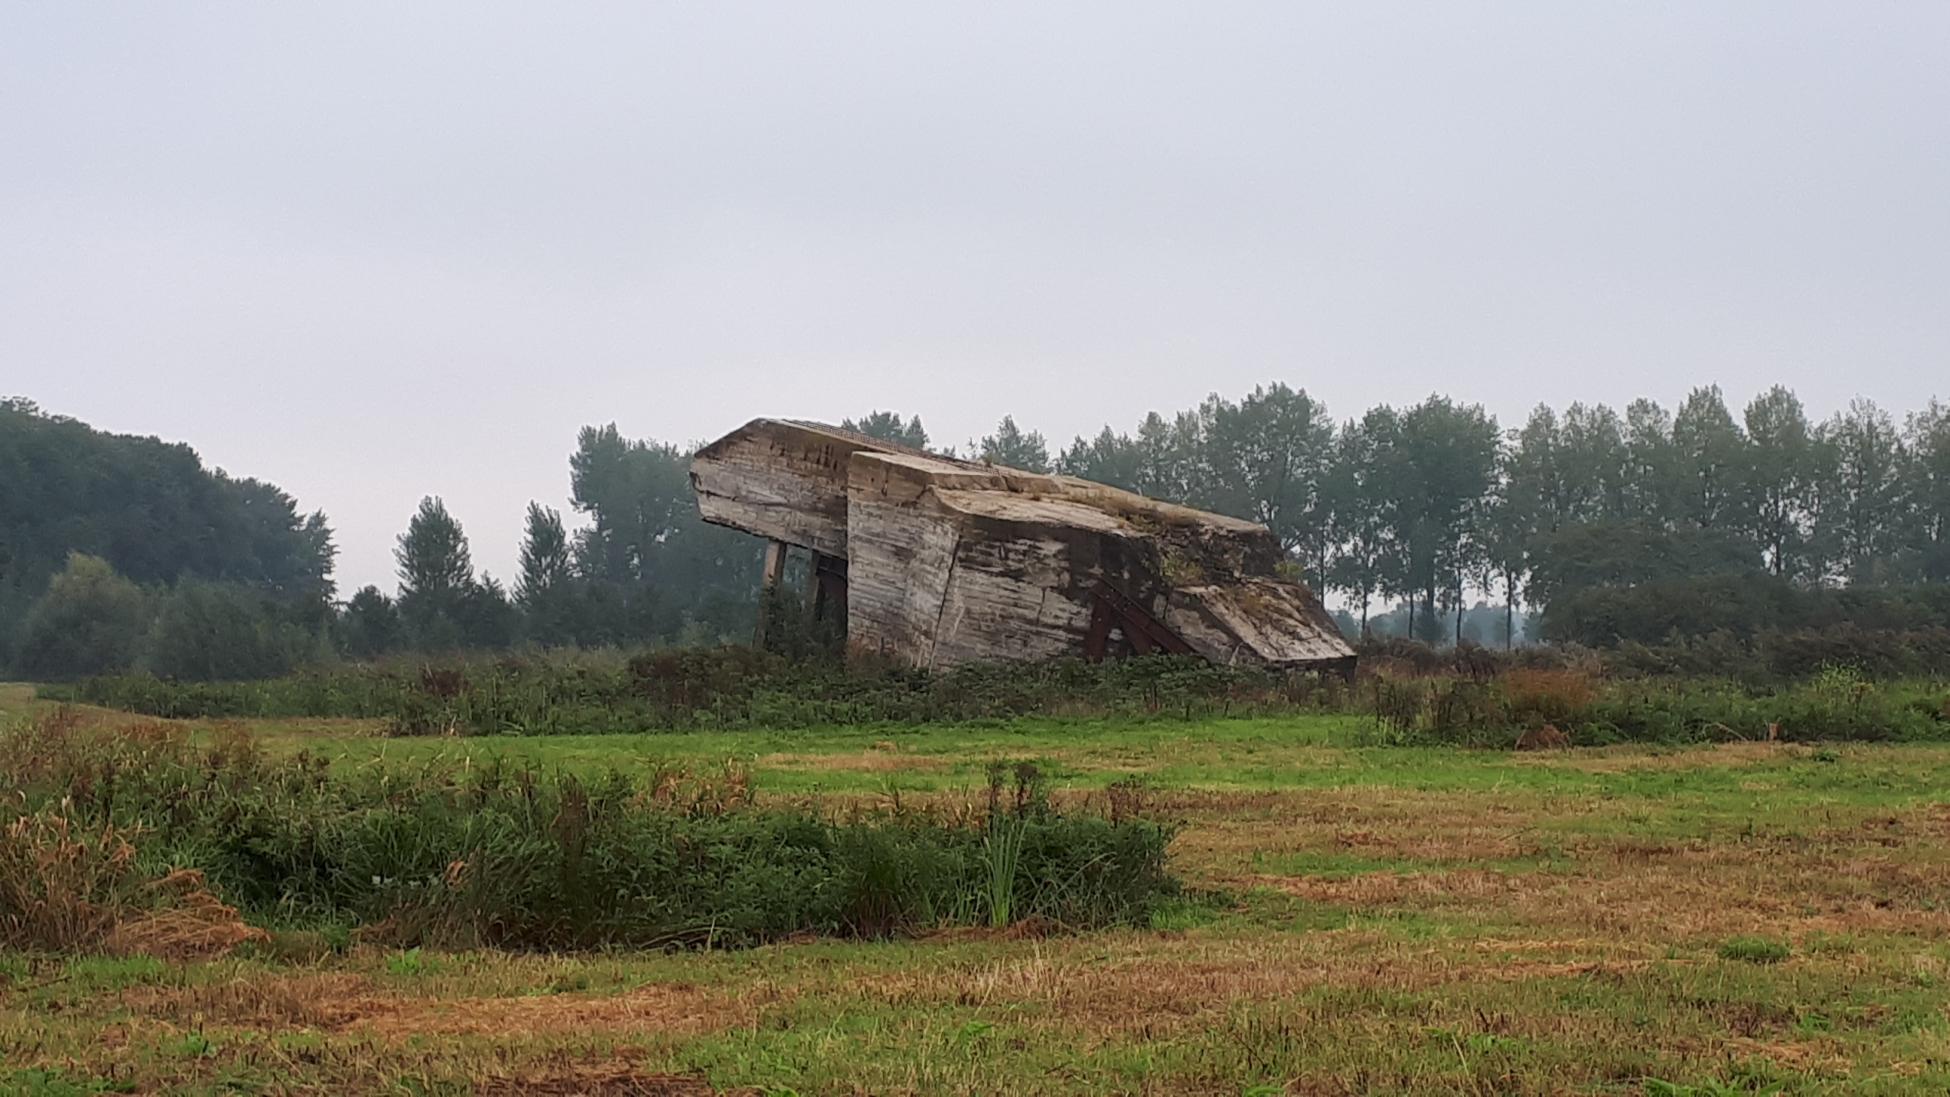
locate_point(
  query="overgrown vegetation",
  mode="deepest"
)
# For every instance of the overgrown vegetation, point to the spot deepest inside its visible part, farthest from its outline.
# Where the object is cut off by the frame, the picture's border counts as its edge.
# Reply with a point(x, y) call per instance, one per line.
point(1412, 693)
point(517, 857)
point(683, 688)
point(1837, 704)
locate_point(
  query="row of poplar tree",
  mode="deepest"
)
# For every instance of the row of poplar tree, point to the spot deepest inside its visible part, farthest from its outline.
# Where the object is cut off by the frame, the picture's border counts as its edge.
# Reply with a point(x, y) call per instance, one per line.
point(1423, 507)
point(1427, 503)
point(1420, 508)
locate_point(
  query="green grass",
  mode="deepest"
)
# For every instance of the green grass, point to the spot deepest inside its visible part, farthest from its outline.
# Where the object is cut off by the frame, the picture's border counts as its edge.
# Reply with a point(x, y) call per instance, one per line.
point(1755, 950)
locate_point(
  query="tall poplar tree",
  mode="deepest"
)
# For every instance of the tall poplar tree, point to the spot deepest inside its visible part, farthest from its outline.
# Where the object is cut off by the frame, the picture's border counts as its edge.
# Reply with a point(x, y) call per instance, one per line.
point(436, 575)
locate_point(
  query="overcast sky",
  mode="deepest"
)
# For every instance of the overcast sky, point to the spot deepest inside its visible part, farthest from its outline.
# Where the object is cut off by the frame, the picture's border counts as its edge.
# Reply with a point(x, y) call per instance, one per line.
point(376, 251)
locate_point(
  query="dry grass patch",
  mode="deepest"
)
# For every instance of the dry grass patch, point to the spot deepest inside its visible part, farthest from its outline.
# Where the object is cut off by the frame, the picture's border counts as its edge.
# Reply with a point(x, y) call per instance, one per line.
point(297, 730)
point(1429, 890)
point(1225, 840)
point(1158, 987)
point(1888, 873)
point(660, 1008)
point(340, 1002)
point(863, 761)
point(1636, 758)
point(1165, 986)
point(611, 1078)
point(262, 1001)
point(1666, 892)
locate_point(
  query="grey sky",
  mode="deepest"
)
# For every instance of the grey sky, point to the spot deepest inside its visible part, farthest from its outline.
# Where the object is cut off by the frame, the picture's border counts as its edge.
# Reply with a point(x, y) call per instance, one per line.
point(375, 251)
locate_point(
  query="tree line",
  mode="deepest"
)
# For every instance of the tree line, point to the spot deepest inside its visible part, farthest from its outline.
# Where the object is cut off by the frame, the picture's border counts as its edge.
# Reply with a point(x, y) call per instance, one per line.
point(119, 551)
point(1427, 504)
point(111, 544)
point(640, 568)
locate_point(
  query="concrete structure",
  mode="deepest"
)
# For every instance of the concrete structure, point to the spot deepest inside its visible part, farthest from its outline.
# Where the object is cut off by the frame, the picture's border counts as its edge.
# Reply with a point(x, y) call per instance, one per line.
point(940, 561)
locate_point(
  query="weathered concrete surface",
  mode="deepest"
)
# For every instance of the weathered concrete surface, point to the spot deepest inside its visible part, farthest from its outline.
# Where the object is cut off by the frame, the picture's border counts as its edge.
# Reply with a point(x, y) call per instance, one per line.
point(779, 479)
point(954, 561)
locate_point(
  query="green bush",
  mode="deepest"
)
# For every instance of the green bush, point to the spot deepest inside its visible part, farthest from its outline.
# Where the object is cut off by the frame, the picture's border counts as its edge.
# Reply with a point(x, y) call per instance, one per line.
point(89, 621)
point(209, 631)
point(1605, 611)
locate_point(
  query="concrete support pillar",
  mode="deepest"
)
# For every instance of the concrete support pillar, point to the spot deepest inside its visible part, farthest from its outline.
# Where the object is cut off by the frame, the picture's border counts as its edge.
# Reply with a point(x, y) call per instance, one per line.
point(768, 584)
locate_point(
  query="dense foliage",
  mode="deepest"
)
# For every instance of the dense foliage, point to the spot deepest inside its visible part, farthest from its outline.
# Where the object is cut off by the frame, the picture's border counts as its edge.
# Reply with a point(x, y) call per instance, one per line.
point(1430, 503)
point(151, 513)
point(519, 858)
point(576, 693)
point(1838, 704)
point(1747, 608)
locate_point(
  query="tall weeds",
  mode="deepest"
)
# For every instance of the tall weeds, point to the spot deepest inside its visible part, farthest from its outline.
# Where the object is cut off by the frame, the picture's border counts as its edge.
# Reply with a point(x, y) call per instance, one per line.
point(680, 689)
point(515, 856)
point(1001, 857)
point(63, 885)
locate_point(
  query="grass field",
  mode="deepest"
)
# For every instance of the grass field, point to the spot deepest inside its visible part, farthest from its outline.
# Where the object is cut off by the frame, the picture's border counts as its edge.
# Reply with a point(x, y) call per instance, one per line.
point(1741, 918)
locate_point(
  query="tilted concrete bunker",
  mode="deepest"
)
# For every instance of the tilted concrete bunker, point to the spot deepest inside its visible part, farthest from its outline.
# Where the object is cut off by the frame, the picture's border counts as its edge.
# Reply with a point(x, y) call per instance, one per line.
point(941, 561)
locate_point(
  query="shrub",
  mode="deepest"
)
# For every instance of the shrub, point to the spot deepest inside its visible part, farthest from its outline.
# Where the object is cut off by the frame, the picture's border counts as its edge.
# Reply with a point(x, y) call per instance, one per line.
point(90, 621)
point(1537, 697)
point(208, 631)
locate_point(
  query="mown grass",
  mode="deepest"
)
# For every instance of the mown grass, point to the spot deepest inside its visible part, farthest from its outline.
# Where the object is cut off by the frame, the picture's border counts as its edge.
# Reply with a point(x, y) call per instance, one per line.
point(1741, 918)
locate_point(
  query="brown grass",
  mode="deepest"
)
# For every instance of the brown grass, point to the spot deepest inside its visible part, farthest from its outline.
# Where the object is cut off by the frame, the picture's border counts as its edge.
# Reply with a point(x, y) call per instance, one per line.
point(348, 1002)
point(1631, 759)
point(62, 886)
point(188, 922)
point(882, 760)
point(568, 1077)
